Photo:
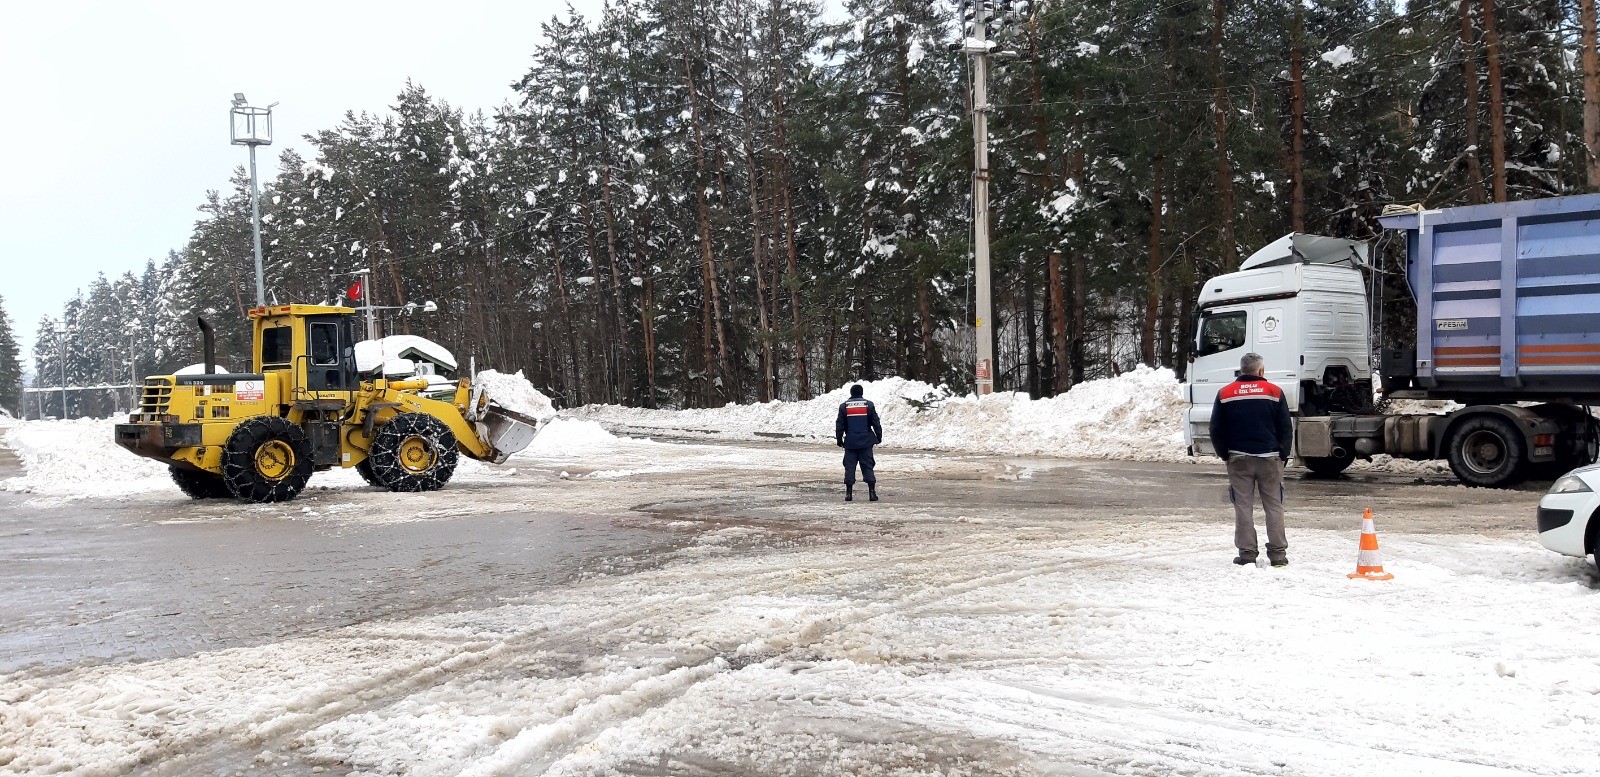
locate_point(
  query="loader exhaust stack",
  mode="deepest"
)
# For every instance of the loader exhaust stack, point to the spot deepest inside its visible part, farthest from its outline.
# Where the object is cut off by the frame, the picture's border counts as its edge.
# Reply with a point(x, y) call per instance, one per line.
point(208, 337)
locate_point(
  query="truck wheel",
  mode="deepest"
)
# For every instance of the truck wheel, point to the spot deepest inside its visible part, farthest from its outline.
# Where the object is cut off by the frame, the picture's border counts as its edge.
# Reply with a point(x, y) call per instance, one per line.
point(413, 452)
point(1487, 451)
point(266, 459)
point(1328, 466)
point(200, 485)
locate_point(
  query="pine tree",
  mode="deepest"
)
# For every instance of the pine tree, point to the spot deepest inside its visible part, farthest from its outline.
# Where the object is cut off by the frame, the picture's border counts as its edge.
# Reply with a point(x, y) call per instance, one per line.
point(10, 366)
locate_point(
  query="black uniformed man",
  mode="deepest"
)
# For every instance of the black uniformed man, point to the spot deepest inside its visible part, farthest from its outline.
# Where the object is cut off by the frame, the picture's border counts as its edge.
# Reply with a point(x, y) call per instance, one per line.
point(856, 431)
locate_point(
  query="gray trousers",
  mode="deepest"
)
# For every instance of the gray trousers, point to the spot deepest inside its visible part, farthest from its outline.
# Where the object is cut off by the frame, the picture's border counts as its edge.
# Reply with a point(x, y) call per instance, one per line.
point(1248, 475)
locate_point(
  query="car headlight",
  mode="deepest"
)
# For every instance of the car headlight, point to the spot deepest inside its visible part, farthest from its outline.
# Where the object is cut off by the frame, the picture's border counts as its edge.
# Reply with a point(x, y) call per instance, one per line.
point(1569, 484)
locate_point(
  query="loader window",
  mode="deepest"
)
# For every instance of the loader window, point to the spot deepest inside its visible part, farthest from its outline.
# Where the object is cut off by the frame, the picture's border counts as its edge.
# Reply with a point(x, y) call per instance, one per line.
point(324, 343)
point(1222, 332)
point(276, 344)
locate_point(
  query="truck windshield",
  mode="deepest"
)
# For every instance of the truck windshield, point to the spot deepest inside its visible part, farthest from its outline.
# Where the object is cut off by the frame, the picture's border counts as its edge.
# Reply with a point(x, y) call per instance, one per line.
point(1221, 332)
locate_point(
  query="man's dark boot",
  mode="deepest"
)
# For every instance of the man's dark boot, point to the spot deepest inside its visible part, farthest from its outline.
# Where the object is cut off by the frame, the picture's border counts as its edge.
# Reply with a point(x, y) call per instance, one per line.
point(872, 492)
point(849, 492)
point(1278, 559)
point(1245, 559)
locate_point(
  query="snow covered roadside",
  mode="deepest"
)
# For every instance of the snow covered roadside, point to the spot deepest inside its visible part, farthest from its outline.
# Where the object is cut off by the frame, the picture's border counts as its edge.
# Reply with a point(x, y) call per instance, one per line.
point(1001, 650)
point(79, 459)
point(1136, 416)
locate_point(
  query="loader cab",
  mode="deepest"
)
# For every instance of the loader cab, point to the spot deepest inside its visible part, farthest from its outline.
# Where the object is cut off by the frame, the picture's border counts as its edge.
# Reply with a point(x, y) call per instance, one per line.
point(313, 345)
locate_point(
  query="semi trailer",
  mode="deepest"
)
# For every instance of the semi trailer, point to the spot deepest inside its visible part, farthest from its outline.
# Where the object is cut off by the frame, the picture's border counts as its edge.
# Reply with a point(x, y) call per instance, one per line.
point(1506, 299)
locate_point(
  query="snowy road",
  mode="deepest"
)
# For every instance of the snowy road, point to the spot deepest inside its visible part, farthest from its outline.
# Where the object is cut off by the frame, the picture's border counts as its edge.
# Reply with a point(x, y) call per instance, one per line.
point(712, 609)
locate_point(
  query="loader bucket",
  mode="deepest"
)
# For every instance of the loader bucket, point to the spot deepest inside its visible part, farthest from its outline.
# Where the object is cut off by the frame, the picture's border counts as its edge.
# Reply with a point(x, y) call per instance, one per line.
point(506, 431)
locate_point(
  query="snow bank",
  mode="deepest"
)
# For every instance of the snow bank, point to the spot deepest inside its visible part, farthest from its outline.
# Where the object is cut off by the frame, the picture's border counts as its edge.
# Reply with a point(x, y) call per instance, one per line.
point(1135, 416)
point(200, 369)
point(79, 458)
point(565, 436)
point(514, 392)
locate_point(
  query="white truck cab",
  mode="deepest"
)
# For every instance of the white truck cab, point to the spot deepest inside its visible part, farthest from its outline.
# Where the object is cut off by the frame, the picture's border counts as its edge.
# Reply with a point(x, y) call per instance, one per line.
point(1301, 303)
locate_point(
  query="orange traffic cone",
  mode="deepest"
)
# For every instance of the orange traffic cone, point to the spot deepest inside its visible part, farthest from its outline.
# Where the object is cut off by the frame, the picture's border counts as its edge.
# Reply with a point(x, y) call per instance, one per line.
point(1369, 562)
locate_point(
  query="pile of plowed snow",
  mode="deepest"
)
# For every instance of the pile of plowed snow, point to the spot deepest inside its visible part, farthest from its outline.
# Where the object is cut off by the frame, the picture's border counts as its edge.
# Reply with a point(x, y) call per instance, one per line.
point(570, 436)
point(1136, 416)
point(515, 393)
point(79, 458)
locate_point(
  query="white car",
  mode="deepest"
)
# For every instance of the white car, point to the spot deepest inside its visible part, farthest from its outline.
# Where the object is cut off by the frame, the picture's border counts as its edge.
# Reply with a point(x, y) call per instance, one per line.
point(1569, 515)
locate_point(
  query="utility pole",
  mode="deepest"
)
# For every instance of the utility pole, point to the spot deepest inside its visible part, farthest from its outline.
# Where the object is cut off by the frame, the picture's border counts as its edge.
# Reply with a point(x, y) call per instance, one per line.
point(366, 303)
point(977, 46)
point(61, 343)
point(133, 372)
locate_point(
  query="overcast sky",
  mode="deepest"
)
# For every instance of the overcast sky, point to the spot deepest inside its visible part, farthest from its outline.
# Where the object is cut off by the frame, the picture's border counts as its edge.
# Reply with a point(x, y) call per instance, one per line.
point(116, 112)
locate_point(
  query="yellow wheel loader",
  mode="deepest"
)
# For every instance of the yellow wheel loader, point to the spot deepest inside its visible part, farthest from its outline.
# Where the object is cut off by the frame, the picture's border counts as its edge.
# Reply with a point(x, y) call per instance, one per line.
point(303, 408)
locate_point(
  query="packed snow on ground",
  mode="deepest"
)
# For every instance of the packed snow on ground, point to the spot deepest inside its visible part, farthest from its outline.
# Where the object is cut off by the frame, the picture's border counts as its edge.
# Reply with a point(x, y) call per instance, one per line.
point(1136, 416)
point(515, 392)
point(1000, 650)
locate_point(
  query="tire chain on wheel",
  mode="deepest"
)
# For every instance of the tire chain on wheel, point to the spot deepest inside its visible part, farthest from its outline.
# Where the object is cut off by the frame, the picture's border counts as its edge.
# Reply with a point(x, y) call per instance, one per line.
point(364, 469)
point(384, 457)
point(238, 460)
point(200, 485)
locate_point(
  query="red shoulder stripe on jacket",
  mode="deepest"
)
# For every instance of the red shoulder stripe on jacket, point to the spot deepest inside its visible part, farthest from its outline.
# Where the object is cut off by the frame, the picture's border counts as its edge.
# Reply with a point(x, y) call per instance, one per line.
point(1250, 389)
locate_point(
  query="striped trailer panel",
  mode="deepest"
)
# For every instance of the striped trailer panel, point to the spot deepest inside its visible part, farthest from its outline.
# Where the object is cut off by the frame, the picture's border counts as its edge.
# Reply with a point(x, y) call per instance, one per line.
point(1508, 296)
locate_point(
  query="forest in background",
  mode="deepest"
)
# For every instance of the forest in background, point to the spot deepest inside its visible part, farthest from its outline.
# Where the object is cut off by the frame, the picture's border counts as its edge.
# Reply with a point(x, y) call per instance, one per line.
point(686, 203)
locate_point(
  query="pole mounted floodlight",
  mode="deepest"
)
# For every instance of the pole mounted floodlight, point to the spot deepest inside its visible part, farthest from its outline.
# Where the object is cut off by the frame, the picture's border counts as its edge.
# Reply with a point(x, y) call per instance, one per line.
point(250, 126)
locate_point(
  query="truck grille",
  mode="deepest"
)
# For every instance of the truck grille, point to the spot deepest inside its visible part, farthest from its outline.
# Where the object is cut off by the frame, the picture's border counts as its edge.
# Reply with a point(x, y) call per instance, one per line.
point(155, 399)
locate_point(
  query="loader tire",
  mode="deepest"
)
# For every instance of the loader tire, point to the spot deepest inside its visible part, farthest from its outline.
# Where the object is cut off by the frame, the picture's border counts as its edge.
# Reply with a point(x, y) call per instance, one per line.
point(364, 469)
point(413, 452)
point(266, 459)
point(200, 485)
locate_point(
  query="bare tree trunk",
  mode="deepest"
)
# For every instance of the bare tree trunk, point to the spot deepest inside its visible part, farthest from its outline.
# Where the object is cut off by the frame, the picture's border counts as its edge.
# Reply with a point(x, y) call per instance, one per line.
point(1226, 245)
point(1591, 90)
point(1469, 76)
point(1080, 295)
point(596, 295)
point(768, 371)
point(1297, 139)
point(618, 300)
point(647, 302)
point(712, 308)
point(1152, 298)
point(579, 380)
point(1497, 108)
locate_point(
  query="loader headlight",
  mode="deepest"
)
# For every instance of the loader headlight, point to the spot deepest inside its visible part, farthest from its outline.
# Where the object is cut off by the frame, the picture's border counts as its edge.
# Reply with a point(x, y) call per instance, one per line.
point(1569, 484)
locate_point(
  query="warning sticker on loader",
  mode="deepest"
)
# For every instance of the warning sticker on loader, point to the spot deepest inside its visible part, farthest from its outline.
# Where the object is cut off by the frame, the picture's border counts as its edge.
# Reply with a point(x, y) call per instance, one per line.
point(250, 390)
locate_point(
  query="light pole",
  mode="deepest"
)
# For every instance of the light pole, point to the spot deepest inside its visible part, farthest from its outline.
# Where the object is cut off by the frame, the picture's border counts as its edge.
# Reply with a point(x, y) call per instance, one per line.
point(250, 126)
point(977, 46)
point(61, 345)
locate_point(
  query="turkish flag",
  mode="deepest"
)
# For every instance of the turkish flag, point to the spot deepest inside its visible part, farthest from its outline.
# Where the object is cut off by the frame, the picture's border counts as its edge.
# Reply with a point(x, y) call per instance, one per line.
point(354, 292)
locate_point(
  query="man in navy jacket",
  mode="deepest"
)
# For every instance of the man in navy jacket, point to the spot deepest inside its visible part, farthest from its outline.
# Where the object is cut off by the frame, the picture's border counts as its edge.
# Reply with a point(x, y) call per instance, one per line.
point(856, 431)
point(1250, 429)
